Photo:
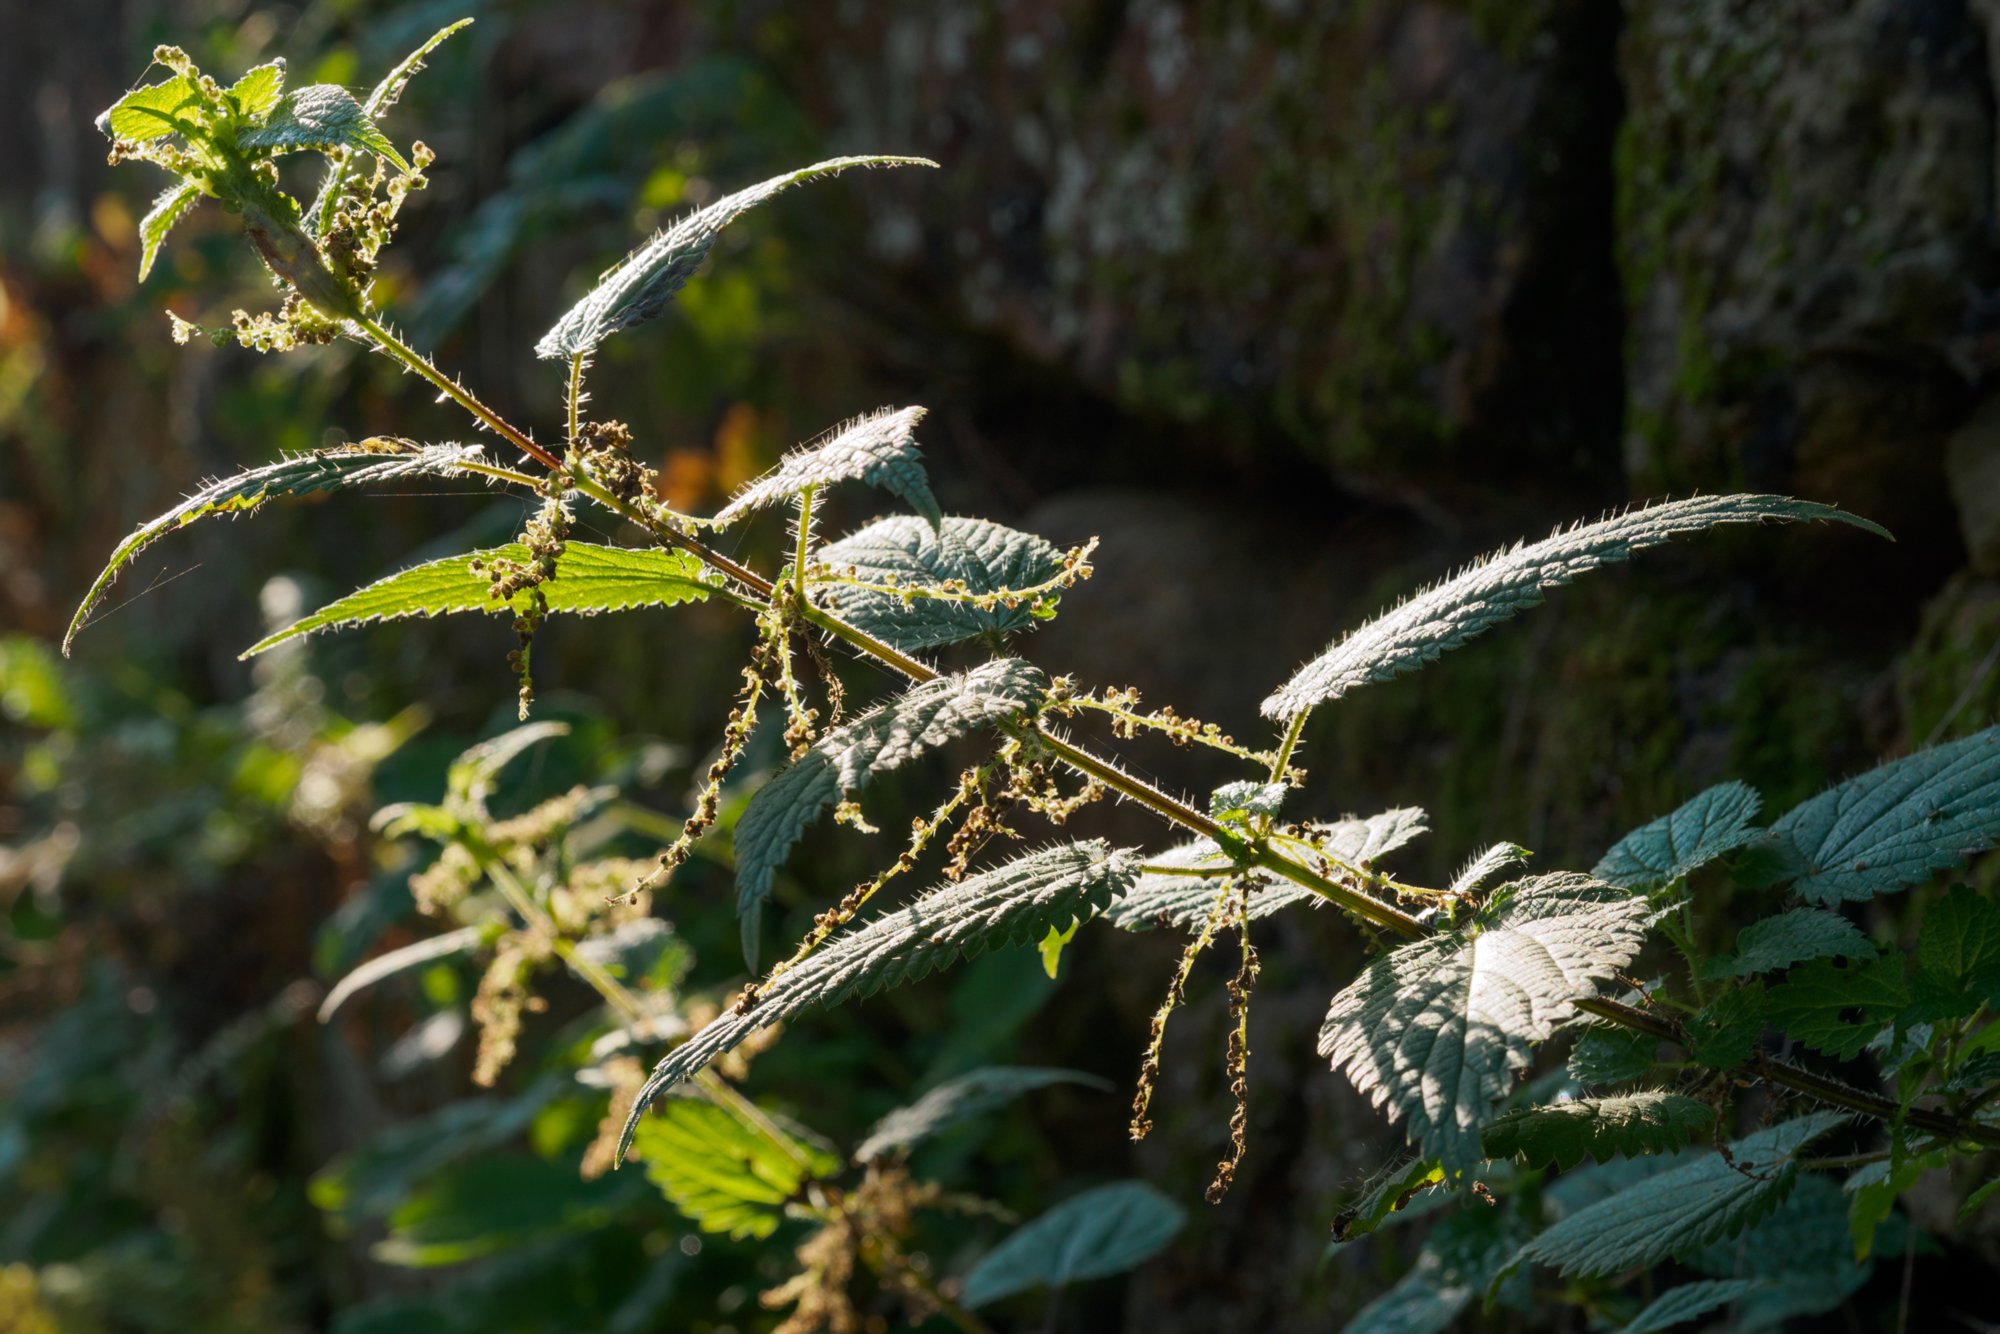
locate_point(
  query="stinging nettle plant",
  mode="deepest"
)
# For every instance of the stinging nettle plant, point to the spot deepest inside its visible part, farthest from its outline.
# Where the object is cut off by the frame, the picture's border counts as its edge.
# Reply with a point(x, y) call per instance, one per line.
point(1471, 978)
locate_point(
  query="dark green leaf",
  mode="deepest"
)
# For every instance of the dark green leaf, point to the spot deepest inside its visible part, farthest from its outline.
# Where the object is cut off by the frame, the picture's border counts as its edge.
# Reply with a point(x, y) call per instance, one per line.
point(590, 579)
point(725, 1176)
point(640, 286)
point(1898, 824)
point(1836, 1009)
point(959, 1100)
point(1958, 956)
point(1676, 845)
point(1093, 1235)
point(1604, 1055)
point(1689, 1301)
point(985, 557)
point(1791, 938)
point(1014, 904)
point(1680, 1210)
point(1725, 1032)
point(1564, 1133)
point(1508, 582)
point(301, 474)
point(1435, 1029)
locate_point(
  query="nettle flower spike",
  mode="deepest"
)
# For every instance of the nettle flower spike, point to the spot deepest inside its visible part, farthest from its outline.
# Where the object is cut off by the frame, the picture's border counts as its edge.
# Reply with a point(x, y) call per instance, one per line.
point(223, 143)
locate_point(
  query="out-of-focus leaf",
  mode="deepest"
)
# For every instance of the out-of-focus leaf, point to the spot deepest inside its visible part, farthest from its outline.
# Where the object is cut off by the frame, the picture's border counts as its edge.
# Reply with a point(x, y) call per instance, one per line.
point(1093, 1235)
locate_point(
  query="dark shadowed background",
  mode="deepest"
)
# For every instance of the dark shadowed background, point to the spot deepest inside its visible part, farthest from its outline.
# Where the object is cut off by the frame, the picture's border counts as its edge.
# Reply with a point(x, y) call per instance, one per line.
point(1296, 304)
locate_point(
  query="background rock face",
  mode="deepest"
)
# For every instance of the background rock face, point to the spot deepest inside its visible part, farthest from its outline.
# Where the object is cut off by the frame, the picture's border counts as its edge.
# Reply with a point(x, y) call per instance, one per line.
point(1297, 303)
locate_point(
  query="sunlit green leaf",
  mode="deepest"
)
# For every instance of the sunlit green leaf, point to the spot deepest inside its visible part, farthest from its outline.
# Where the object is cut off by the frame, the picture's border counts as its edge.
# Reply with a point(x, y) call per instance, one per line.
point(724, 1175)
point(590, 579)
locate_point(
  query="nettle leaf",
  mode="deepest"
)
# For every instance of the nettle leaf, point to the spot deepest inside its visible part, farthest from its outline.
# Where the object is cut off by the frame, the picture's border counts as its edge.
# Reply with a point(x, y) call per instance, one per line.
point(879, 449)
point(1508, 582)
point(384, 96)
point(1725, 1031)
point(725, 1176)
point(1011, 905)
point(1802, 1253)
point(843, 761)
point(1185, 901)
point(301, 474)
point(168, 209)
point(959, 1100)
point(1461, 1257)
point(590, 579)
point(258, 91)
point(1233, 801)
point(1896, 825)
point(1604, 1055)
point(985, 557)
point(1093, 1235)
point(1434, 1029)
point(1676, 845)
point(320, 117)
point(1958, 956)
point(1836, 1009)
point(1689, 1301)
point(1873, 1191)
point(462, 941)
point(1408, 1187)
point(1790, 938)
point(152, 112)
point(1499, 858)
point(640, 286)
point(1564, 1133)
point(1677, 1211)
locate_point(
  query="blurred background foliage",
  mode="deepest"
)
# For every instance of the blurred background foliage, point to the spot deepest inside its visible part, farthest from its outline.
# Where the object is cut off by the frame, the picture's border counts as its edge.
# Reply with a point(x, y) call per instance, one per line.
point(1295, 304)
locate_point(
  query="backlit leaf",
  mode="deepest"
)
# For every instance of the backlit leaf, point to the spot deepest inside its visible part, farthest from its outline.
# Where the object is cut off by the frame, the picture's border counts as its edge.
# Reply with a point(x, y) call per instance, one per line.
point(1509, 582)
point(590, 579)
point(1014, 904)
point(1434, 1029)
point(301, 474)
point(640, 287)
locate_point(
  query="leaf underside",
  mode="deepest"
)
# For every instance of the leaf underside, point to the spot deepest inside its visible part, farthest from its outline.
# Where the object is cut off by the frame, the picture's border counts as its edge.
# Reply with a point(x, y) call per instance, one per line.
point(1676, 845)
point(640, 285)
point(843, 761)
point(1676, 1211)
point(879, 449)
point(1509, 582)
point(1565, 1133)
point(985, 557)
point(1186, 901)
point(1896, 825)
point(301, 474)
point(1435, 1029)
point(590, 579)
point(168, 209)
point(1014, 904)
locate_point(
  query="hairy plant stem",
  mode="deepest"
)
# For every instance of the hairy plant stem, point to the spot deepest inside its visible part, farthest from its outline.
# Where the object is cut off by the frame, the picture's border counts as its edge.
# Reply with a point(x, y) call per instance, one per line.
point(1786, 1075)
point(1289, 744)
point(805, 545)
